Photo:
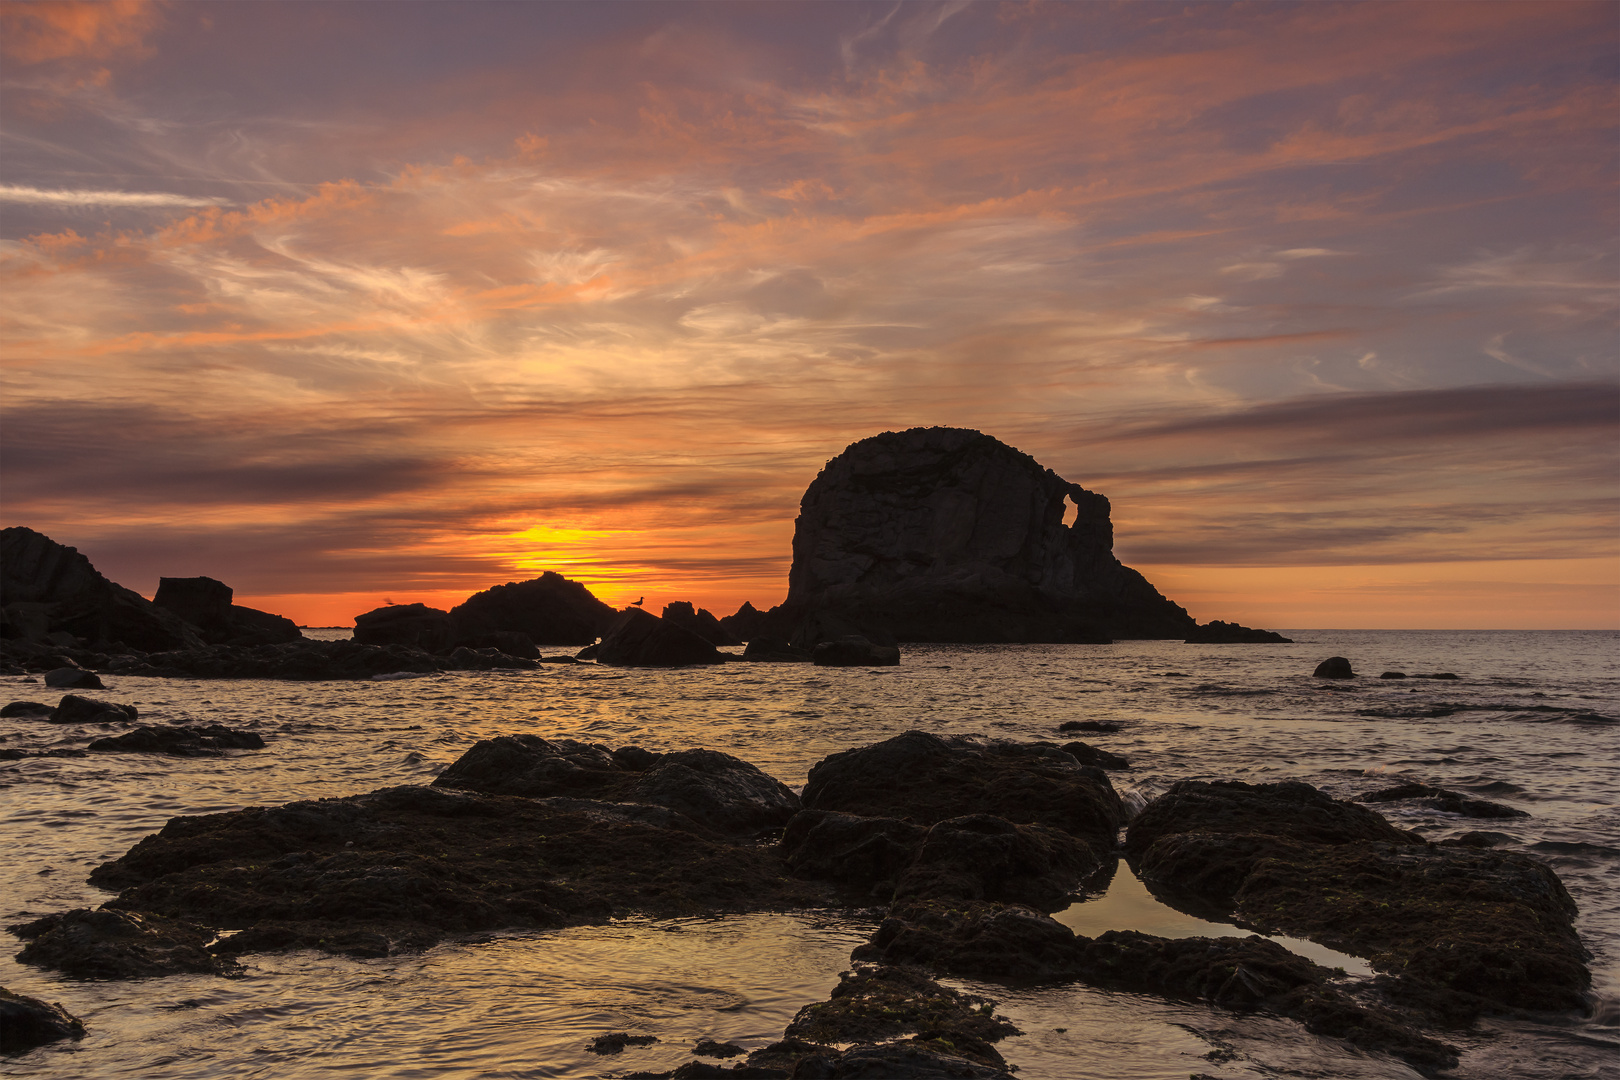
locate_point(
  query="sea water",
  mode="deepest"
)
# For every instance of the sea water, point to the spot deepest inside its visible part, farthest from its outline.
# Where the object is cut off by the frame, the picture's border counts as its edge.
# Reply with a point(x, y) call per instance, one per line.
point(1532, 721)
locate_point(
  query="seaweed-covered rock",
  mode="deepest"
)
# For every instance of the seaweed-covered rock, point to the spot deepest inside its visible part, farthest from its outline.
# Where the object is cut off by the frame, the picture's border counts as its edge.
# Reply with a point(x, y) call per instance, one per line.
point(27, 1022)
point(929, 778)
point(211, 740)
point(108, 944)
point(640, 639)
point(718, 791)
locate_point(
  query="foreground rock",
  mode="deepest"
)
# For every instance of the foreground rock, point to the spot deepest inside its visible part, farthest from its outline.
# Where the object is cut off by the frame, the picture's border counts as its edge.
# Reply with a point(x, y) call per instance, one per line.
point(27, 1022)
point(49, 589)
point(716, 791)
point(640, 639)
point(547, 610)
point(929, 778)
point(1000, 941)
point(404, 867)
point(207, 605)
point(105, 944)
point(1465, 929)
point(211, 740)
point(946, 534)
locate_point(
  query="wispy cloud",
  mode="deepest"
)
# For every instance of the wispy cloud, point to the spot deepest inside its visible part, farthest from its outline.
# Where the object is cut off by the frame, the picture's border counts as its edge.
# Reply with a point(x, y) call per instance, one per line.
point(89, 198)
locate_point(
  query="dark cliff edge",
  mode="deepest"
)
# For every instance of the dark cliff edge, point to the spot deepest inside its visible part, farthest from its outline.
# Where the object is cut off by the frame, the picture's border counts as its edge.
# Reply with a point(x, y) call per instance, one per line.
point(949, 535)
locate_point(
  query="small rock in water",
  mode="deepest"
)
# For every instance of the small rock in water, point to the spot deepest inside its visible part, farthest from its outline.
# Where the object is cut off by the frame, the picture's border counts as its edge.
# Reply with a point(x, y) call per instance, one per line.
point(1091, 755)
point(26, 708)
point(27, 1022)
point(208, 741)
point(1334, 667)
point(1094, 725)
point(105, 944)
point(1393, 675)
point(710, 1048)
point(73, 678)
point(615, 1041)
point(73, 709)
point(854, 651)
point(1449, 802)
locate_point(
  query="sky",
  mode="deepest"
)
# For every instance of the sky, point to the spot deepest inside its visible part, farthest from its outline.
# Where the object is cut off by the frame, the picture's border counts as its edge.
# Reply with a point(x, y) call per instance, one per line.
point(352, 303)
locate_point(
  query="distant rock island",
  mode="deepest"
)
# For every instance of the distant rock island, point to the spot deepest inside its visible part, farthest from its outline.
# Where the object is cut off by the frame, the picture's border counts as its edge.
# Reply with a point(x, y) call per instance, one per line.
point(948, 535)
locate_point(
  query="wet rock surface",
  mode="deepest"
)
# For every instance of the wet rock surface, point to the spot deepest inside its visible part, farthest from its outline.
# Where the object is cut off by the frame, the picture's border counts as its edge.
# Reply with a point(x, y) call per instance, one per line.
point(107, 944)
point(717, 791)
point(928, 778)
point(1449, 802)
point(210, 740)
point(27, 1022)
point(614, 1042)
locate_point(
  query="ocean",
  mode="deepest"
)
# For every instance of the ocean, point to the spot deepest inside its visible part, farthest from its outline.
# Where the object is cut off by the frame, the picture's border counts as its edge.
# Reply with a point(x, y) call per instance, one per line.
point(1533, 721)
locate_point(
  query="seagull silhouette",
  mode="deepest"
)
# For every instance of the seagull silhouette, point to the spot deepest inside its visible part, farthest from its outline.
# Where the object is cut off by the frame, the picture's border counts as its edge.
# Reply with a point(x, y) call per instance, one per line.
point(638, 602)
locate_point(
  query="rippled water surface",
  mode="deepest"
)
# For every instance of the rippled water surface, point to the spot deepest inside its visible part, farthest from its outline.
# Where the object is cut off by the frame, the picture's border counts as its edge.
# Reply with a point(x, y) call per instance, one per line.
point(1531, 721)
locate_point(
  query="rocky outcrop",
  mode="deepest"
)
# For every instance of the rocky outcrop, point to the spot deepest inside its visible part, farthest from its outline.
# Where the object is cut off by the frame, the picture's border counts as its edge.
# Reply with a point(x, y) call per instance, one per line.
point(206, 604)
point(641, 639)
point(746, 623)
point(105, 944)
point(27, 1022)
point(48, 588)
point(700, 621)
point(1227, 633)
point(425, 628)
point(548, 610)
point(948, 535)
point(716, 791)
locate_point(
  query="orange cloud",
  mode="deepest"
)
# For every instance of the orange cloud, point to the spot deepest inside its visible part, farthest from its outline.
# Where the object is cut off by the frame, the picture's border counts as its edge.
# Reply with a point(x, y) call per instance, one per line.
point(34, 31)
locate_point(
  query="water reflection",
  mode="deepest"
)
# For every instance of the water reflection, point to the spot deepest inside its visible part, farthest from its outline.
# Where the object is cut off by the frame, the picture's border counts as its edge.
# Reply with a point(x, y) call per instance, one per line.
point(1127, 905)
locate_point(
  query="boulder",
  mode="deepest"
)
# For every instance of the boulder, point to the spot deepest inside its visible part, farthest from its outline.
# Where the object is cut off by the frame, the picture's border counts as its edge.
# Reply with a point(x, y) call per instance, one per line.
point(108, 944)
point(73, 678)
point(946, 534)
point(640, 639)
point(73, 709)
point(67, 595)
point(1228, 633)
point(700, 621)
point(210, 741)
point(929, 778)
point(1086, 754)
point(27, 1022)
point(721, 793)
point(548, 610)
point(426, 628)
point(854, 651)
point(860, 852)
point(1334, 667)
point(983, 857)
point(774, 651)
point(202, 601)
point(26, 708)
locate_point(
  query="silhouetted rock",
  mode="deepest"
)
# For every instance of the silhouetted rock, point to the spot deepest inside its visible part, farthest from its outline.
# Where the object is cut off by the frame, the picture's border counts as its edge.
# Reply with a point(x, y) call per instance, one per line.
point(55, 589)
point(1087, 754)
point(549, 609)
point(775, 651)
point(717, 791)
point(640, 639)
point(73, 678)
point(854, 651)
point(710, 1048)
point(945, 534)
point(108, 944)
point(744, 624)
point(73, 709)
point(206, 604)
point(1090, 725)
point(209, 741)
point(700, 621)
point(615, 1042)
point(930, 778)
point(27, 708)
point(1226, 633)
point(426, 628)
point(1393, 675)
point(27, 1022)
point(1334, 667)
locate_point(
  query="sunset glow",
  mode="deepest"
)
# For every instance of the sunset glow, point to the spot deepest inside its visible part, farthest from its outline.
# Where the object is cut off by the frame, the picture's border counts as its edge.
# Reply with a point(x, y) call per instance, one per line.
point(341, 303)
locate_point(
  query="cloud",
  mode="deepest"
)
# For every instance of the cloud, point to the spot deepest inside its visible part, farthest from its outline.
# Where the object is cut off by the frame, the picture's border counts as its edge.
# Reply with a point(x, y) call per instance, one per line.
point(32, 33)
point(138, 199)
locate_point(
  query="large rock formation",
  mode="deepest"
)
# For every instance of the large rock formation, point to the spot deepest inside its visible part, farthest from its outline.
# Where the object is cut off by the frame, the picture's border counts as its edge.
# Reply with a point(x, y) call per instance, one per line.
point(206, 604)
point(946, 534)
point(550, 609)
point(48, 589)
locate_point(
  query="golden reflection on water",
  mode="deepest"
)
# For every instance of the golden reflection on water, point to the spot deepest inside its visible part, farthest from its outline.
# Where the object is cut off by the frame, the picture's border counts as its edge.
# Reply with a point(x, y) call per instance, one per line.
point(1127, 905)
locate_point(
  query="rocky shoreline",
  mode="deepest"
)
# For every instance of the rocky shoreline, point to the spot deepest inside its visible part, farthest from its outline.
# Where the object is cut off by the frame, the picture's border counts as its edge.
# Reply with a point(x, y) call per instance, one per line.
point(960, 847)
